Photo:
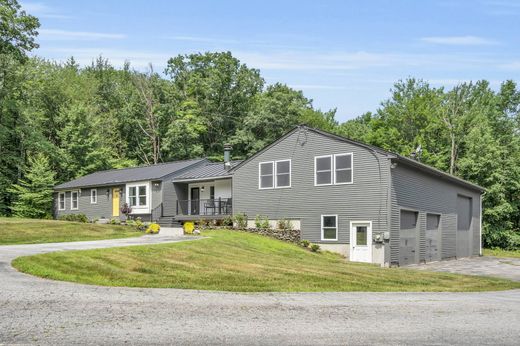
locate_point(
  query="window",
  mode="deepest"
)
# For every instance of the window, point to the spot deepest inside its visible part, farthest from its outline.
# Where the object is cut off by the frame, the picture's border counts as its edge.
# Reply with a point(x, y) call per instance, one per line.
point(323, 170)
point(283, 173)
point(74, 205)
point(212, 192)
point(329, 227)
point(138, 196)
point(132, 196)
point(343, 169)
point(333, 169)
point(266, 179)
point(61, 201)
point(274, 174)
point(93, 196)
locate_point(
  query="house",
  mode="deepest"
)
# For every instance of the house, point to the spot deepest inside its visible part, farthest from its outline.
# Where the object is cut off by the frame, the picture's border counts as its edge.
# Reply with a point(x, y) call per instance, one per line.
point(366, 203)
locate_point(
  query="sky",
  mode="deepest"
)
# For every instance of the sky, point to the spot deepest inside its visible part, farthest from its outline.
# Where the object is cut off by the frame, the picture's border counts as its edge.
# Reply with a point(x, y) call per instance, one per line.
point(342, 54)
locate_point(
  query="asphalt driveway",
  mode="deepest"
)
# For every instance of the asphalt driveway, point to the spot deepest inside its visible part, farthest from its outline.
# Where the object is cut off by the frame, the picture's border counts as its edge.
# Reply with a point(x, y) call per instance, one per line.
point(38, 311)
point(508, 268)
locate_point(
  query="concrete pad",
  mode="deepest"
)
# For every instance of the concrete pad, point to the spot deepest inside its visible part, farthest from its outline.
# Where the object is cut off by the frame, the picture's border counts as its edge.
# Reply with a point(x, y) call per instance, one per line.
point(171, 231)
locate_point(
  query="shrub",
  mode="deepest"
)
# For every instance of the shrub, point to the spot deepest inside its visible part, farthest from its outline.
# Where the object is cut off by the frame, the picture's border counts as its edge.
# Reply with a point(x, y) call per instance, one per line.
point(139, 224)
point(285, 224)
point(262, 222)
point(227, 221)
point(153, 228)
point(115, 221)
point(240, 220)
point(305, 243)
point(315, 248)
point(507, 240)
point(74, 218)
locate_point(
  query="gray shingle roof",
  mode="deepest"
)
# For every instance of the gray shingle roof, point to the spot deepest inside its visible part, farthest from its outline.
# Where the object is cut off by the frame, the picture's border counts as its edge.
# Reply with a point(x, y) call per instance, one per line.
point(124, 175)
point(209, 170)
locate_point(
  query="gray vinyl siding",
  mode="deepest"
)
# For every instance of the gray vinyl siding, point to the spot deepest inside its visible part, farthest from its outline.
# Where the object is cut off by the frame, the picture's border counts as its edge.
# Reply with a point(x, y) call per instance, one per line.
point(415, 190)
point(364, 200)
point(102, 209)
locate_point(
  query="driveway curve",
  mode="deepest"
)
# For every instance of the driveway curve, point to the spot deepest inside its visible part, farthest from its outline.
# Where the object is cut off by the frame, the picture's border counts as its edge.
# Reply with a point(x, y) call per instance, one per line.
point(39, 311)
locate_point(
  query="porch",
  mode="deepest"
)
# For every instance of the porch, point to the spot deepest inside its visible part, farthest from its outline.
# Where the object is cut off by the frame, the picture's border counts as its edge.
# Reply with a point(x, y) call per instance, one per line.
point(196, 199)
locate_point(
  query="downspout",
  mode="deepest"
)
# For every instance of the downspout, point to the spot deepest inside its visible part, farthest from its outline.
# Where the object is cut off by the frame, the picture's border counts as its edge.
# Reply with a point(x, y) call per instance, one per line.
point(480, 214)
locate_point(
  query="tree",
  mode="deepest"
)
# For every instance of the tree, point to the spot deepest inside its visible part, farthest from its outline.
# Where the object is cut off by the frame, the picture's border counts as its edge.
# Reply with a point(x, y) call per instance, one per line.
point(222, 88)
point(17, 30)
point(33, 194)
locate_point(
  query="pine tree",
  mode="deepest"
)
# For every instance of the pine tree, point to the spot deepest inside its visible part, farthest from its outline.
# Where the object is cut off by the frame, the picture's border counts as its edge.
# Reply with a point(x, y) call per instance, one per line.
point(33, 195)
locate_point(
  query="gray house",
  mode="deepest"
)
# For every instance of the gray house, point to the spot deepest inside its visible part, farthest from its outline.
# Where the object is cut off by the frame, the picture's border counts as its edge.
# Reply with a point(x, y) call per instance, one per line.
point(366, 203)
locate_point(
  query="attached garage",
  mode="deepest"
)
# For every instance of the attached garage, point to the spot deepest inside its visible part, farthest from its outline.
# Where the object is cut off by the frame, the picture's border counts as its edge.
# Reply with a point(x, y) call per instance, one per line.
point(464, 216)
point(408, 238)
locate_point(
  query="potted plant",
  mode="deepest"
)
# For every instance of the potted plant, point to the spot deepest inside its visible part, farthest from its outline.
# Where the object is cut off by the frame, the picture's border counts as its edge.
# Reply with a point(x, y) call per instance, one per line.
point(126, 210)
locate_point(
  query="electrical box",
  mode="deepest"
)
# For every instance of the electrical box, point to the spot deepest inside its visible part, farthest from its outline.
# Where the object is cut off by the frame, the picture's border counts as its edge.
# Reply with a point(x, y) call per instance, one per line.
point(378, 238)
point(386, 235)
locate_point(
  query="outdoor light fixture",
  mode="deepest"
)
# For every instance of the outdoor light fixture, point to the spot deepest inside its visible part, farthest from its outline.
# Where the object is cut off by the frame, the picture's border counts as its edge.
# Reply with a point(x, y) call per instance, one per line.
point(202, 189)
point(108, 192)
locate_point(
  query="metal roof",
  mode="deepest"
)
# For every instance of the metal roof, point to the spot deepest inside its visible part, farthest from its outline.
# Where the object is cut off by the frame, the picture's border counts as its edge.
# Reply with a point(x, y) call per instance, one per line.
point(124, 175)
point(208, 171)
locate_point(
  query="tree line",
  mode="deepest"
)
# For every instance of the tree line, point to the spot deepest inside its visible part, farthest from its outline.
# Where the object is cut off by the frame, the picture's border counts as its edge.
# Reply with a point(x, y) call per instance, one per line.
point(59, 121)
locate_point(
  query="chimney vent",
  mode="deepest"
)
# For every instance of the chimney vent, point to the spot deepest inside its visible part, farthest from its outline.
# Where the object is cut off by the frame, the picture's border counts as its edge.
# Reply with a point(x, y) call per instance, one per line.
point(227, 156)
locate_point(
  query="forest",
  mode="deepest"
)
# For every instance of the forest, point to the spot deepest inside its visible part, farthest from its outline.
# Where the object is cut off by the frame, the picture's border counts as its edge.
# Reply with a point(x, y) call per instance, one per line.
point(59, 121)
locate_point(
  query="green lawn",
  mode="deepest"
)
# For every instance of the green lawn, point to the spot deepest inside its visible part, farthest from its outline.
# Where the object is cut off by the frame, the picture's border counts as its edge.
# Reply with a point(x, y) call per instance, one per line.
point(240, 262)
point(30, 231)
point(502, 253)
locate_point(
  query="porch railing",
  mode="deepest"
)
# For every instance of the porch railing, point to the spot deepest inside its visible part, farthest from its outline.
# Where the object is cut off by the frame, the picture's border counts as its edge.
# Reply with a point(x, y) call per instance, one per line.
point(204, 207)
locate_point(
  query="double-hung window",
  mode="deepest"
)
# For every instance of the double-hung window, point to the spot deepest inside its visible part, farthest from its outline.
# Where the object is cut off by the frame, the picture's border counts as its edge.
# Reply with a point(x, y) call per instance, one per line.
point(333, 169)
point(274, 174)
point(93, 196)
point(74, 200)
point(138, 196)
point(329, 227)
point(61, 201)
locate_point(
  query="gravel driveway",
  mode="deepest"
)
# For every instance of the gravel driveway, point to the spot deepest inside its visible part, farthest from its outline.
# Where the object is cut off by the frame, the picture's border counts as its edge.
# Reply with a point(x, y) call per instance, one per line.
point(38, 311)
point(506, 268)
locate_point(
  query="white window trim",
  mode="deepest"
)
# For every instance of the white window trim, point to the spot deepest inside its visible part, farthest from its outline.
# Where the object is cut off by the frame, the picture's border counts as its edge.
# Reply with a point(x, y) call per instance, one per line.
point(139, 209)
point(72, 200)
point(316, 171)
point(60, 199)
point(337, 227)
point(345, 169)
point(93, 201)
point(333, 169)
point(276, 174)
point(260, 175)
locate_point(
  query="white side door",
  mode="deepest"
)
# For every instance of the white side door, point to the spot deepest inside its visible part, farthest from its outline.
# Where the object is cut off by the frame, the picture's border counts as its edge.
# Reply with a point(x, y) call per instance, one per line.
point(361, 241)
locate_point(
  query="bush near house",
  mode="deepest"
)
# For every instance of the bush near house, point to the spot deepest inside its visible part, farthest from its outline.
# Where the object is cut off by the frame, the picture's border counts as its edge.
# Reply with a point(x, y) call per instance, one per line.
point(74, 218)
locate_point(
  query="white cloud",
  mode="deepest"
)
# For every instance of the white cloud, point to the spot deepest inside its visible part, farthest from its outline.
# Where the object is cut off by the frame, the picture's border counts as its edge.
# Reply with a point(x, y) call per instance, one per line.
point(43, 11)
point(458, 40)
point(201, 39)
point(54, 34)
point(514, 65)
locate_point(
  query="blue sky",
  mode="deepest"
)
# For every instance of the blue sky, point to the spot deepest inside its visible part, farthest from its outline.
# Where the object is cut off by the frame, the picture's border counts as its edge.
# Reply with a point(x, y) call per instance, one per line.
point(342, 54)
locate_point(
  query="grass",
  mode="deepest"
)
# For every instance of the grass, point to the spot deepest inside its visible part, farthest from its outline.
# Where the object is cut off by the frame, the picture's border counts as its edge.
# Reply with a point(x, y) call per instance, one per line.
point(30, 231)
point(502, 253)
point(240, 262)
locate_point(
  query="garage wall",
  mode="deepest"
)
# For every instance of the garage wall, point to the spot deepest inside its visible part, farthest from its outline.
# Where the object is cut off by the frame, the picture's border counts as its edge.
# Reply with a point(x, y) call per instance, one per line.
point(425, 193)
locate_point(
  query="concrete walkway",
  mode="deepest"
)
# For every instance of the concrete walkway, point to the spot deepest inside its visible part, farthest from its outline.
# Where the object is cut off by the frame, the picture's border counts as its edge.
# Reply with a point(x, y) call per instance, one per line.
point(507, 268)
point(39, 311)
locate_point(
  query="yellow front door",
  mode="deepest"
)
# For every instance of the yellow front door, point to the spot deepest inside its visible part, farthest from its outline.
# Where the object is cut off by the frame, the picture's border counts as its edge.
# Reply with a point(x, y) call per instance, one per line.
point(115, 202)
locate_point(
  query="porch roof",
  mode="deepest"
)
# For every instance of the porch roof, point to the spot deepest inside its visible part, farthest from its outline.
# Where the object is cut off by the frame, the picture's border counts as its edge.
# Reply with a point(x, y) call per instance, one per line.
point(211, 170)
